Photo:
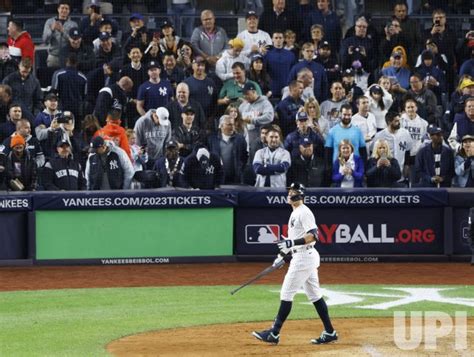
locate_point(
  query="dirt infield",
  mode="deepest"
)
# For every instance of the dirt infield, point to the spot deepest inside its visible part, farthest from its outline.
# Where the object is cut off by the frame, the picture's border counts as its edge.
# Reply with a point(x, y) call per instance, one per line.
point(358, 337)
point(235, 339)
point(38, 278)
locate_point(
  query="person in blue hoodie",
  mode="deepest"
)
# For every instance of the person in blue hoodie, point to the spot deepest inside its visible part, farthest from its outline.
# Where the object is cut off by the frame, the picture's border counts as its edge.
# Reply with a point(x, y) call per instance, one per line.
point(433, 76)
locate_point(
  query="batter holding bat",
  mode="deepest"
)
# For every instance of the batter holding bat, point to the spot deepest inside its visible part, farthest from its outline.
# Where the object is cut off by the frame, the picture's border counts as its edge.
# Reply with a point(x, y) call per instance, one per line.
point(303, 269)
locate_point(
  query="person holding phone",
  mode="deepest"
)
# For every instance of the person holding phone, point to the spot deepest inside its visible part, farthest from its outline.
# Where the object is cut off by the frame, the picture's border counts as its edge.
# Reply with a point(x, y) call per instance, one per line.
point(383, 170)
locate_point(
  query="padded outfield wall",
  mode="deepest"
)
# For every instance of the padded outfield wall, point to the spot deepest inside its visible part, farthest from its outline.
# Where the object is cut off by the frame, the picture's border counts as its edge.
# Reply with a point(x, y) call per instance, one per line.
point(169, 226)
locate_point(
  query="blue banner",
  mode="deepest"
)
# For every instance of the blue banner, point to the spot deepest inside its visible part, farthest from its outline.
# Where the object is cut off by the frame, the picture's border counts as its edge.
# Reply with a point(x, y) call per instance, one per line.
point(336, 197)
point(361, 231)
point(15, 202)
point(133, 199)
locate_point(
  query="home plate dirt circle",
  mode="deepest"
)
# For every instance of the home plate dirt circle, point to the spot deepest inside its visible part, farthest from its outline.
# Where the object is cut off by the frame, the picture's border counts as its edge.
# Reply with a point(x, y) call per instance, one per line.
point(358, 337)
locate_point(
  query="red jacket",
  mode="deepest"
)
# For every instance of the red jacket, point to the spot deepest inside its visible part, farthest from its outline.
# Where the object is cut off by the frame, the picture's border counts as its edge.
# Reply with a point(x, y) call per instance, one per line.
point(22, 47)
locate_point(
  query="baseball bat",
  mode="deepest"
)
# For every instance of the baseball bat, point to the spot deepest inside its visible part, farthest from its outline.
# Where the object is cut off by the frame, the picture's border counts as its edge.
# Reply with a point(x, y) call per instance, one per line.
point(260, 275)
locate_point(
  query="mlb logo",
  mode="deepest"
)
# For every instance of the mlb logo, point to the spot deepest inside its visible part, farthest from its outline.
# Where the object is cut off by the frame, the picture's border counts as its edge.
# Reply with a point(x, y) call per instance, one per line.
point(262, 233)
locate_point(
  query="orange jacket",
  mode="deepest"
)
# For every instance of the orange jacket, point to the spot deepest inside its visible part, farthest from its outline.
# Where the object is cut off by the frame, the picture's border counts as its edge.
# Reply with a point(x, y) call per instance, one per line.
point(115, 131)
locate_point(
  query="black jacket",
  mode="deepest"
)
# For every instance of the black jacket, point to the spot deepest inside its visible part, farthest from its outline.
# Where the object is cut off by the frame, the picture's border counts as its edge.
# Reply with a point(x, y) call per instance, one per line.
point(28, 174)
point(175, 110)
point(189, 139)
point(63, 174)
point(115, 173)
point(206, 174)
point(382, 176)
point(108, 96)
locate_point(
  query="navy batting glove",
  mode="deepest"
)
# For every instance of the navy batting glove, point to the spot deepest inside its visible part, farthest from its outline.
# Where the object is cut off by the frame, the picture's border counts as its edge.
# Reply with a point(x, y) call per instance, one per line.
point(286, 244)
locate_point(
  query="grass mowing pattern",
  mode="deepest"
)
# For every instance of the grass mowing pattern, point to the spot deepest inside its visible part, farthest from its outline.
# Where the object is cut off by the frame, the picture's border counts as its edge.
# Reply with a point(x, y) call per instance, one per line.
point(80, 322)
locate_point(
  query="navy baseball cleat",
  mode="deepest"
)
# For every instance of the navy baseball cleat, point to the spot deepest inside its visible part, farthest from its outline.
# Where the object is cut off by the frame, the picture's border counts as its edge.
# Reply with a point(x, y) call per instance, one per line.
point(325, 338)
point(267, 336)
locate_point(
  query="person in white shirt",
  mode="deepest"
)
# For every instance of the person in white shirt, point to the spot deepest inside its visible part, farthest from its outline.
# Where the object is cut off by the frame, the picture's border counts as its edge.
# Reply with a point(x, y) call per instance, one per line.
point(229, 57)
point(255, 40)
point(364, 119)
point(415, 125)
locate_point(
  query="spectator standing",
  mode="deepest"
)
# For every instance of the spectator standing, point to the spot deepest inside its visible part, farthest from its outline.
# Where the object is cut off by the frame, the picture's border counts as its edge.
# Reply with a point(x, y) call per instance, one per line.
point(20, 44)
point(182, 11)
point(202, 170)
point(380, 102)
point(63, 172)
point(434, 163)
point(32, 145)
point(345, 131)
point(294, 139)
point(202, 88)
point(231, 147)
point(83, 52)
point(209, 40)
point(20, 167)
point(320, 84)
point(187, 134)
point(139, 154)
point(108, 51)
point(304, 76)
point(306, 167)
point(108, 167)
point(171, 71)
point(113, 131)
point(463, 124)
point(7, 63)
point(331, 108)
point(279, 17)
point(432, 75)
point(286, 110)
point(426, 99)
point(169, 42)
point(278, 62)
point(255, 40)
point(14, 115)
point(365, 120)
point(328, 60)
point(359, 47)
point(56, 33)
point(182, 101)
point(348, 168)
point(322, 15)
point(400, 142)
point(155, 92)
point(229, 57)
point(153, 130)
point(139, 36)
point(256, 110)
point(232, 91)
point(400, 74)
point(112, 96)
point(25, 87)
point(317, 122)
point(43, 119)
point(258, 73)
point(272, 162)
point(416, 126)
point(169, 167)
point(410, 28)
point(464, 165)
point(383, 169)
point(71, 88)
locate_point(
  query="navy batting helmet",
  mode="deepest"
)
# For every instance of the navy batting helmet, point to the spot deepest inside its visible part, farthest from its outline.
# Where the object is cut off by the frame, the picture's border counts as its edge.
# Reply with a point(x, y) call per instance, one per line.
point(299, 189)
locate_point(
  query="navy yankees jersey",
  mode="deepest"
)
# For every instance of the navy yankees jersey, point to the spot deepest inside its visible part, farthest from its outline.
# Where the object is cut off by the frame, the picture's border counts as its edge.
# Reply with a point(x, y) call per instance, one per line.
point(155, 95)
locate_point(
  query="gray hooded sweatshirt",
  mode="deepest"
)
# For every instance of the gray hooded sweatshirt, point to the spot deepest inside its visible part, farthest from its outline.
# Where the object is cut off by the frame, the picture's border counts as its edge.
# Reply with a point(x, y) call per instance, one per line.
point(152, 135)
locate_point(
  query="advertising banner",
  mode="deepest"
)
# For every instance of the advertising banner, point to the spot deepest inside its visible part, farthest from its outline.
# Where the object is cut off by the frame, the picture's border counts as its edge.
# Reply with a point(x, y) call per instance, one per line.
point(110, 234)
point(343, 231)
point(133, 199)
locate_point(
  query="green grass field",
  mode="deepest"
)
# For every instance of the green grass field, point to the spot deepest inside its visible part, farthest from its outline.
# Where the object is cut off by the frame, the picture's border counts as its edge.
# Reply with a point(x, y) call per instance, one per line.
point(80, 322)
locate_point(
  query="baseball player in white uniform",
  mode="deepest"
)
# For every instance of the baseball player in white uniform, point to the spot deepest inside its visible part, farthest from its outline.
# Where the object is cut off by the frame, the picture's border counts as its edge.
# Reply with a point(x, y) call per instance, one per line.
point(303, 270)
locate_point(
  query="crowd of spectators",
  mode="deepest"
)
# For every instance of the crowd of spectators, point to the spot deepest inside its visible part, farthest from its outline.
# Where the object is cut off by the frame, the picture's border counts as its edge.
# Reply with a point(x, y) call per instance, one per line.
point(290, 98)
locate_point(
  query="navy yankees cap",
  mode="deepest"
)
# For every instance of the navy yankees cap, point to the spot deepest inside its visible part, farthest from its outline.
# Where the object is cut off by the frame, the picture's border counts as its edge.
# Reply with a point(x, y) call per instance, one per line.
point(104, 35)
point(301, 116)
point(74, 33)
point(248, 86)
point(434, 129)
point(97, 142)
point(154, 64)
